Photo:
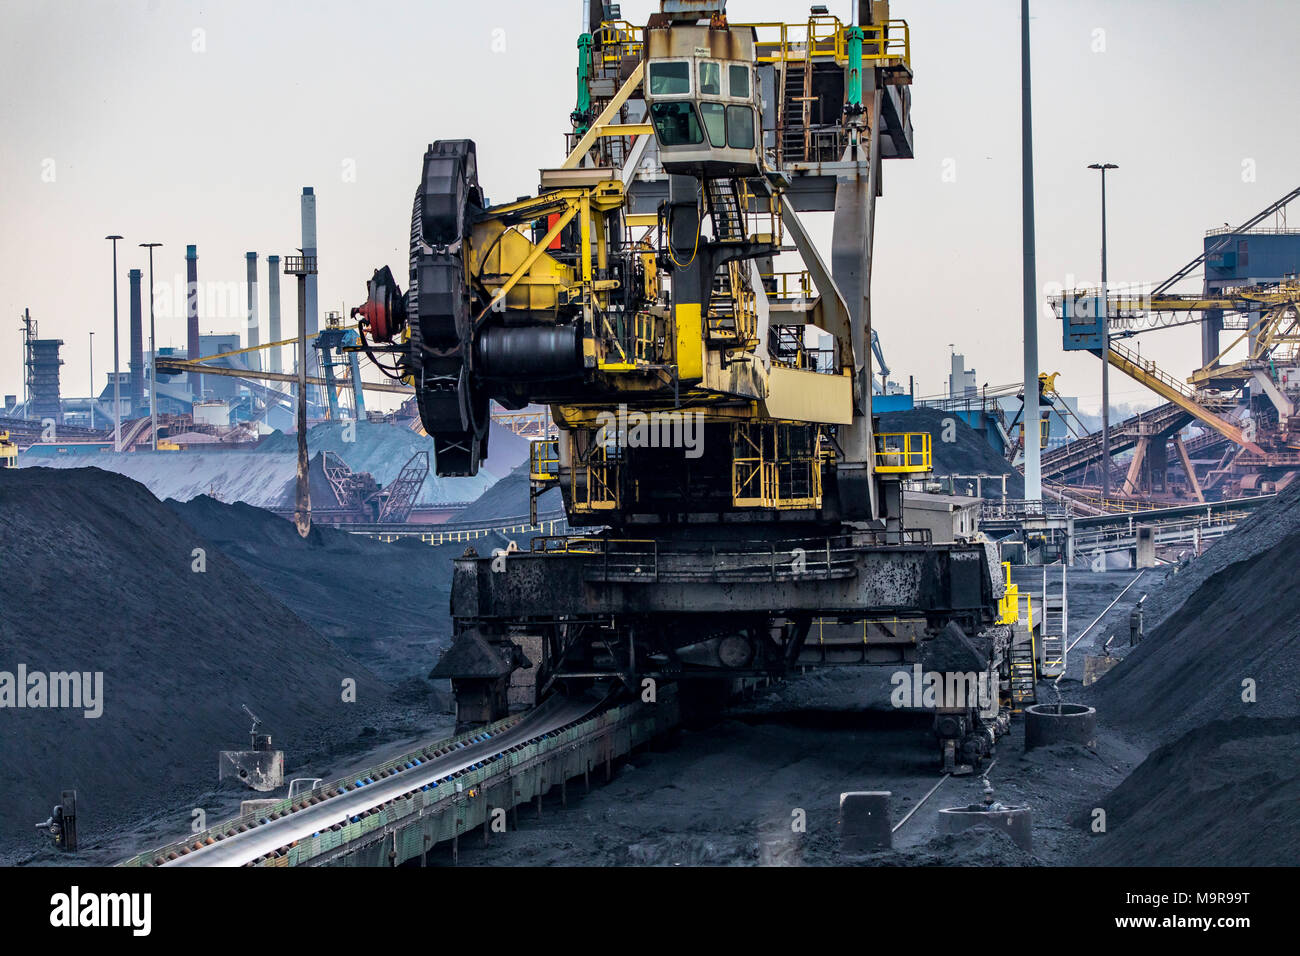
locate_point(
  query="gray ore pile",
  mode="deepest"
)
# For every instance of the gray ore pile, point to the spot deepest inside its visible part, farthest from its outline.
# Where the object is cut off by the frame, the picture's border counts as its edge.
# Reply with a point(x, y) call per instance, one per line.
point(1215, 683)
point(101, 578)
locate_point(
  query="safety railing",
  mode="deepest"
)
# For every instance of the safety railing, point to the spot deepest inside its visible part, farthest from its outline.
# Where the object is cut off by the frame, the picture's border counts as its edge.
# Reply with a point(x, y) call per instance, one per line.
point(1015, 509)
point(904, 452)
point(544, 460)
point(1149, 369)
point(550, 524)
point(776, 466)
point(1116, 505)
point(624, 559)
point(788, 285)
point(1009, 603)
point(825, 35)
point(618, 40)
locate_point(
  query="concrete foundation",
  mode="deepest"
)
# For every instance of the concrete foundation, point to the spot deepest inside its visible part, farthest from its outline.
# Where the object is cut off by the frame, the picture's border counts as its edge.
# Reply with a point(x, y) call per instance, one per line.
point(1016, 822)
point(1047, 724)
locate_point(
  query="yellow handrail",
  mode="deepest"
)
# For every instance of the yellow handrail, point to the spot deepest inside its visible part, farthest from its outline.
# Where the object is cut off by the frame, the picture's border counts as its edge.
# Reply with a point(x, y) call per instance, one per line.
point(904, 452)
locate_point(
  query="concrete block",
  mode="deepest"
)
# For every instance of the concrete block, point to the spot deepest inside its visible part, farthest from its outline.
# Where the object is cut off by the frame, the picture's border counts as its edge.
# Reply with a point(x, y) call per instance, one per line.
point(260, 770)
point(865, 821)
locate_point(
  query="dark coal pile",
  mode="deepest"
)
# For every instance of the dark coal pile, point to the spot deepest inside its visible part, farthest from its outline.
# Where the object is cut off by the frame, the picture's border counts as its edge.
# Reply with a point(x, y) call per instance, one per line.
point(385, 604)
point(1215, 682)
point(966, 454)
point(1270, 524)
point(508, 498)
point(99, 578)
point(1225, 794)
point(984, 845)
point(1237, 635)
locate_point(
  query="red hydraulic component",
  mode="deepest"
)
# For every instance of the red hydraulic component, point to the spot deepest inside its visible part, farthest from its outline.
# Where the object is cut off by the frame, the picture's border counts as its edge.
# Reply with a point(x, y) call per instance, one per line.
point(383, 316)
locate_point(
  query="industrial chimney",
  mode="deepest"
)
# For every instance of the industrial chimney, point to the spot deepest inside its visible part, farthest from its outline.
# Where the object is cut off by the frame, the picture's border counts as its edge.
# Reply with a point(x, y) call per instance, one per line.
point(273, 279)
point(192, 349)
point(252, 359)
point(137, 344)
point(309, 249)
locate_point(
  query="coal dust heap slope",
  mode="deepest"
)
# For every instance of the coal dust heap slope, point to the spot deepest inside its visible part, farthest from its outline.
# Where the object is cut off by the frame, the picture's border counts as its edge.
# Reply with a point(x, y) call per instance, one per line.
point(1235, 635)
point(1216, 683)
point(386, 604)
point(100, 576)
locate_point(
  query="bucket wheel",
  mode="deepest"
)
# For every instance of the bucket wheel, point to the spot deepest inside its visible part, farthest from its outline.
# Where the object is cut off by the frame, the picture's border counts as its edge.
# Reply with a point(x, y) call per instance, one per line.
point(453, 408)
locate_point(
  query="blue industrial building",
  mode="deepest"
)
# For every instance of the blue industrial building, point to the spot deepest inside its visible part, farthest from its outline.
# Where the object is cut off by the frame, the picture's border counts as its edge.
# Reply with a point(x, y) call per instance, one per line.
point(1259, 256)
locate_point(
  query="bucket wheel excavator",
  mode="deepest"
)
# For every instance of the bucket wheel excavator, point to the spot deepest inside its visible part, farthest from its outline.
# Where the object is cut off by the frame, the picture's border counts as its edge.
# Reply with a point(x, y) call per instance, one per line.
point(741, 514)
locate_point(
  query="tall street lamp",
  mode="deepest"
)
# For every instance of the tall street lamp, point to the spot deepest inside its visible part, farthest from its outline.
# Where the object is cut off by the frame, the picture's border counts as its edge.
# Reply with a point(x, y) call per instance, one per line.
point(1105, 344)
point(153, 354)
point(92, 378)
point(117, 371)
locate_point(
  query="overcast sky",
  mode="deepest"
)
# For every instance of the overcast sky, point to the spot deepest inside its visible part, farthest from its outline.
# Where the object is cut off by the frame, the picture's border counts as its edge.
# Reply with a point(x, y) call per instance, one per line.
point(181, 122)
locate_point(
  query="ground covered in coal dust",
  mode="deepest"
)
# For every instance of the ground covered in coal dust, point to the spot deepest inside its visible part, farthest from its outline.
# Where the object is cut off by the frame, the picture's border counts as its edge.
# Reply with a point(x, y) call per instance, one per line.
point(1195, 762)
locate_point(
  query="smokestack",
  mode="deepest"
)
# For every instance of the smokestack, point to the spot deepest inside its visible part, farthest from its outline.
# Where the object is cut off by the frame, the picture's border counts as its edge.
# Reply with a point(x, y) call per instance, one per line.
point(252, 359)
point(137, 343)
point(273, 279)
point(309, 249)
point(192, 317)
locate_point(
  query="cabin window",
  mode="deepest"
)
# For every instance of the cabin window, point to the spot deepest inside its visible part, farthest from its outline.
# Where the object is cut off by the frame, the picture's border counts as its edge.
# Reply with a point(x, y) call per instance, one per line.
point(715, 123)
point(670, 79)
point(739, 80)
point(676, 124)
point(740, 127)
point(710, 78)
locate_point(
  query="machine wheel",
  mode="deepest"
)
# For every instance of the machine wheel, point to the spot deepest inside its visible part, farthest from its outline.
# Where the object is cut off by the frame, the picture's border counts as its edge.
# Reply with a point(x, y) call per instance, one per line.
point(454, 411)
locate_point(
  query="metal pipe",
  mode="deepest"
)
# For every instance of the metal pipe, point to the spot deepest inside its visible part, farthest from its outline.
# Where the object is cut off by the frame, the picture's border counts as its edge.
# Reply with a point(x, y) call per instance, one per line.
point(308, 208)
point(117, 368)
point(136, 362)
point(919, 803)
point(254, 323)
point(302, 515)
point(192, 347)
point(1105, 342)
point(273, 310)
point(1103, 613)
point(153, 354)
point(1033, 468)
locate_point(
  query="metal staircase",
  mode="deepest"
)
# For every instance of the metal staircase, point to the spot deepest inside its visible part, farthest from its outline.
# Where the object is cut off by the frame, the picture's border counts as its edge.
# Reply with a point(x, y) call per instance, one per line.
point(1024, 672)
point(725, 208)
point(1023, 654)
point(1054, 634)
point(795, 100)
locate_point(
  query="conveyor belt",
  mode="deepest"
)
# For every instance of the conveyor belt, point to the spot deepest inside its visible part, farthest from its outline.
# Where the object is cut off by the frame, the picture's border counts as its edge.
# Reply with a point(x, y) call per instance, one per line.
point(244, 848)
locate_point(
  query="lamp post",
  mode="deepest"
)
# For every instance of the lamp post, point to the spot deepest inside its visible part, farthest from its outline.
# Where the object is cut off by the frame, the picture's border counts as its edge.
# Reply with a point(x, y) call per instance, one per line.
point(117, 371)
point(153, 354)
point(92, 378)
point(1105, 344)
point(1029, 269)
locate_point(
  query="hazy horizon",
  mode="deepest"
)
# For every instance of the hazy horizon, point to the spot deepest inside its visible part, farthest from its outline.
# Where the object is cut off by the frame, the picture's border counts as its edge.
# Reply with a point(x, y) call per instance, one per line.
point(177, 122)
